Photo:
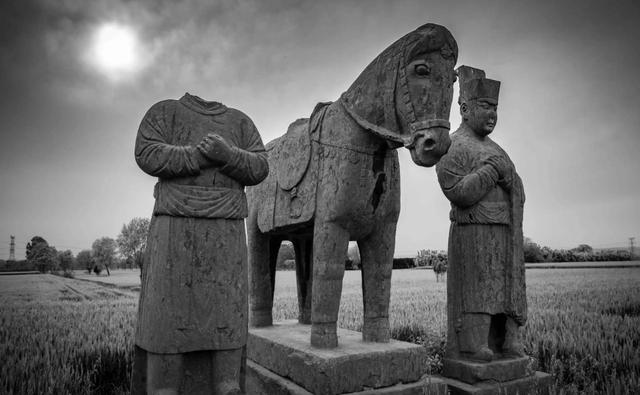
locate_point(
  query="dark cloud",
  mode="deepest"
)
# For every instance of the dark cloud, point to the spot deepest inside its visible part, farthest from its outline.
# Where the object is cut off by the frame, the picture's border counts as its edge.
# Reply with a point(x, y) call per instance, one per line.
point(567, 111)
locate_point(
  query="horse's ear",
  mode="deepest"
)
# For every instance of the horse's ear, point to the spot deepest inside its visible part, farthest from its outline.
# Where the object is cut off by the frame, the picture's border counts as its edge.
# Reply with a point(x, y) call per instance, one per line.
point(434, 38)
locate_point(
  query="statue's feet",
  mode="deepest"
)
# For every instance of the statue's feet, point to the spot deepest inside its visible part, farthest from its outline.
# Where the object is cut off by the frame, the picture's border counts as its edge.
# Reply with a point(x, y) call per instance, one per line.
point(513, 349)
point(259, 318)
point(324, 335)
point(484, 354)
point(376, 330)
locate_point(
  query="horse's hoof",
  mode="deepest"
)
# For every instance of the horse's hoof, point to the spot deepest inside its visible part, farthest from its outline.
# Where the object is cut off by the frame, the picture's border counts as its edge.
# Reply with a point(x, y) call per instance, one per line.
point(376, 330)
point(258, 318)
point(324, 335)
point(484, 354)
point(513, 349)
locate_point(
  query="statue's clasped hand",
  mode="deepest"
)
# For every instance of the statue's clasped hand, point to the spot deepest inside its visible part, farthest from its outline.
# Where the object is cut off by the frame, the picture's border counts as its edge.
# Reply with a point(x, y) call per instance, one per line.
point(216, 149)
point(504, 170)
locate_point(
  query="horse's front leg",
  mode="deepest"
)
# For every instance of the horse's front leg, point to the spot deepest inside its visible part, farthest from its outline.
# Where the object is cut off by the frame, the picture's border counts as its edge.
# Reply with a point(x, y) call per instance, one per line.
point(330, 242)
point(376, 252)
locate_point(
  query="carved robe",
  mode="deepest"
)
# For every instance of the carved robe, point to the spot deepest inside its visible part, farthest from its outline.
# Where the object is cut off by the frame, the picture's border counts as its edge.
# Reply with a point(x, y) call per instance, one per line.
point(486, 261)
point(194, 278)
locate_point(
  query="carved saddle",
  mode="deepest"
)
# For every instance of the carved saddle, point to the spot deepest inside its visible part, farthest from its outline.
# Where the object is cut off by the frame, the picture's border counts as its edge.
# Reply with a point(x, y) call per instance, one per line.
point(287, 198)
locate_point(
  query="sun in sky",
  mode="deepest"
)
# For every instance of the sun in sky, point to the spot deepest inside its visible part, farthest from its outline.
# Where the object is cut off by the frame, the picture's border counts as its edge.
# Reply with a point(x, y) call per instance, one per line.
point(115, 50)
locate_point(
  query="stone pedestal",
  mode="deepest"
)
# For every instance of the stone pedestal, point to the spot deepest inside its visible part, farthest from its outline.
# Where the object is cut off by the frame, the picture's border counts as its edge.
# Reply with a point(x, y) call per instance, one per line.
point(281, 361)
point(504, 376)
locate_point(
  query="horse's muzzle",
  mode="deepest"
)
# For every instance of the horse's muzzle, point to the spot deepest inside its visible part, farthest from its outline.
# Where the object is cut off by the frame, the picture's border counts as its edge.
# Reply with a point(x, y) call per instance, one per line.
point(429, 141)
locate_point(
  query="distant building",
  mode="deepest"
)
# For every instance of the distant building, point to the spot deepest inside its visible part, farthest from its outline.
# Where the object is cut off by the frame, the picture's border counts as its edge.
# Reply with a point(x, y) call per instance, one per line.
point(12, 250)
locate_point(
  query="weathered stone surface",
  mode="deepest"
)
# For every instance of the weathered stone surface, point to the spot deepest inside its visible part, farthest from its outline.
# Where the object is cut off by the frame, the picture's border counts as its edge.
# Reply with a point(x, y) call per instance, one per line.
point(263, 381)
point(499, 370)
point(539, 384)
point(486, 301)
point(353, 366)
point(193, 299)
point(427, 385)
point(351, 187)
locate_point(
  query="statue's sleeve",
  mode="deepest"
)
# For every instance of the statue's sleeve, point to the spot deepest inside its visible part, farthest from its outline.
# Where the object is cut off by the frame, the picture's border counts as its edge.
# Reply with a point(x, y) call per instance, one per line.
point(248, 165)
point(462, 185)
point(155, 155)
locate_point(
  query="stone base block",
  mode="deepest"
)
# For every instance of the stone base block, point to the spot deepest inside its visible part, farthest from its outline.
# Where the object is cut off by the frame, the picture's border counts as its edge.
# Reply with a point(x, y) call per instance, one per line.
point(263, 381)
point(499, 370)
point(539, 383)
point(355, 365)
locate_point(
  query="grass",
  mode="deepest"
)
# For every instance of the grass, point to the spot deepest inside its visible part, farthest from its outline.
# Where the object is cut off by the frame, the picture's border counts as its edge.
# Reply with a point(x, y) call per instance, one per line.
point(71, 336)
point(63, 336)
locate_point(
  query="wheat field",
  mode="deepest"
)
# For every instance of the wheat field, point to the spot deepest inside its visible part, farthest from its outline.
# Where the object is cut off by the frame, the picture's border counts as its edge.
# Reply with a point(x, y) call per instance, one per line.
point(72, 336)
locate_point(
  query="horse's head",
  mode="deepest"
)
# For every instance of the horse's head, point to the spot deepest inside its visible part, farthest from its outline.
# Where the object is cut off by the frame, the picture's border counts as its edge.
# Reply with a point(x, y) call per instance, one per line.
point(405, 94)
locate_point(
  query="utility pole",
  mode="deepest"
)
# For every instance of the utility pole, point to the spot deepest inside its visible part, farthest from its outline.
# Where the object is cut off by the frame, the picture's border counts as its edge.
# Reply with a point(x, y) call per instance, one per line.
point(631, 251)
point(12, 249)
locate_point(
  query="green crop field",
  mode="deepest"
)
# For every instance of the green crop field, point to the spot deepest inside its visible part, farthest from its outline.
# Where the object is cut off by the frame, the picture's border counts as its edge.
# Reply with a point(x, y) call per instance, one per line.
point(71, 336)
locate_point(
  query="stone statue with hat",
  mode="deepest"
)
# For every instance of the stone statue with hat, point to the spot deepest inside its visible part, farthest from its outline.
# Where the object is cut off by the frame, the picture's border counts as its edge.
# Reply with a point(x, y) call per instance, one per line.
point(486, 302)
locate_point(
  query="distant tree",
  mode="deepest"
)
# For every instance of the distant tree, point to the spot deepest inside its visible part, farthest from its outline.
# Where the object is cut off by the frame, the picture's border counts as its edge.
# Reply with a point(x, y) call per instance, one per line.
point(432, 258)
point(65, 261)
point(35, 240)
point(423, 258)
point(43, 257)
point(132, 240)
point(561, 256)
point(547, 254)
point(353, 257)
point(532, 251)
point(586, 248)
point(84, 260)
point(104, 252)
point(286, 253)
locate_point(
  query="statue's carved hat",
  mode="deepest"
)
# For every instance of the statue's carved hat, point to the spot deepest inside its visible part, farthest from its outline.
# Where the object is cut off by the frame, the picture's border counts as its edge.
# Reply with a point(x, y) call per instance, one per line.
point(371, 99)
point(474, 85)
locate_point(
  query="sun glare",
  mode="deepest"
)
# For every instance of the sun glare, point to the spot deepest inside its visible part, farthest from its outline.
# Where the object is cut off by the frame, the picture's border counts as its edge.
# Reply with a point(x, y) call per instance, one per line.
point(115, 50)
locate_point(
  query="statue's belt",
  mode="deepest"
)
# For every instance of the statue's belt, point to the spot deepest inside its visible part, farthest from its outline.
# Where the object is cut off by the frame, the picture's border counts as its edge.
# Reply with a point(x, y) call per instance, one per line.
point(199, 201)
point(487, 213)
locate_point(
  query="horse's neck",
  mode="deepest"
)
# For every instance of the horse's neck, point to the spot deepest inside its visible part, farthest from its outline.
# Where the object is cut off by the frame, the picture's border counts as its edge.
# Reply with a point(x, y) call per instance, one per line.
point(344, 131)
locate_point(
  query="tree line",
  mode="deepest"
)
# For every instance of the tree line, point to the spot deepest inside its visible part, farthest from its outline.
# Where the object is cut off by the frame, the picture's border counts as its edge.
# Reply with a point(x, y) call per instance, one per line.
point(126, 251)
point(534, 253)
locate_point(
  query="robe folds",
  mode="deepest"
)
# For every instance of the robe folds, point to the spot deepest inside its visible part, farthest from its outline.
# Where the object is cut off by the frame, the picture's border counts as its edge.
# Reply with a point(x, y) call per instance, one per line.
point(194, 277)
point(486, 260)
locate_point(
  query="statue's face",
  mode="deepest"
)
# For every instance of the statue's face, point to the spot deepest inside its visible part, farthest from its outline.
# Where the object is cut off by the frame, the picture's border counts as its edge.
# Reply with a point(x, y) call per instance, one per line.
point(481, 115)
point(430, 79)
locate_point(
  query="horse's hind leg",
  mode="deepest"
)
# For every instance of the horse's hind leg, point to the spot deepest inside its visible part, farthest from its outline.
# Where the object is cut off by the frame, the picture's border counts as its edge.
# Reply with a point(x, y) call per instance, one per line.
point(376, 253)
point(330, 242)
point(263, 252)
point(303, 248)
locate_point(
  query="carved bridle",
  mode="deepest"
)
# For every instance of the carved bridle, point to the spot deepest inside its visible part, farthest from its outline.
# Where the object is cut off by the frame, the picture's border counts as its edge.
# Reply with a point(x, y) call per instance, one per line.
point(417, 129)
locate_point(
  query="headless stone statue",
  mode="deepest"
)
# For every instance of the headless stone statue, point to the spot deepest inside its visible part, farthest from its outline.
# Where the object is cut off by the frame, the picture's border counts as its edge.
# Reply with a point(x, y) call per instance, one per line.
point(192, 318)
point(485, 286)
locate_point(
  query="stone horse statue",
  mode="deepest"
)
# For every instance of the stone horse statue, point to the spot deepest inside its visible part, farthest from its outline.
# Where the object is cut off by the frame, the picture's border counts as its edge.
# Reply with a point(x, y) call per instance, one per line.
point(335, 177)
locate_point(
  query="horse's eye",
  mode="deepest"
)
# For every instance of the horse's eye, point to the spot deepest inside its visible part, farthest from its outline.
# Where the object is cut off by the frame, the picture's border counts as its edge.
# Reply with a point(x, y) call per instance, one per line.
point(422, 69)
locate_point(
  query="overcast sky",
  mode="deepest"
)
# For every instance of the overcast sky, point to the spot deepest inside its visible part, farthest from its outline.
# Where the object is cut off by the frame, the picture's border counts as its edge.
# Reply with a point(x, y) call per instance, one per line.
point(569, 110)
